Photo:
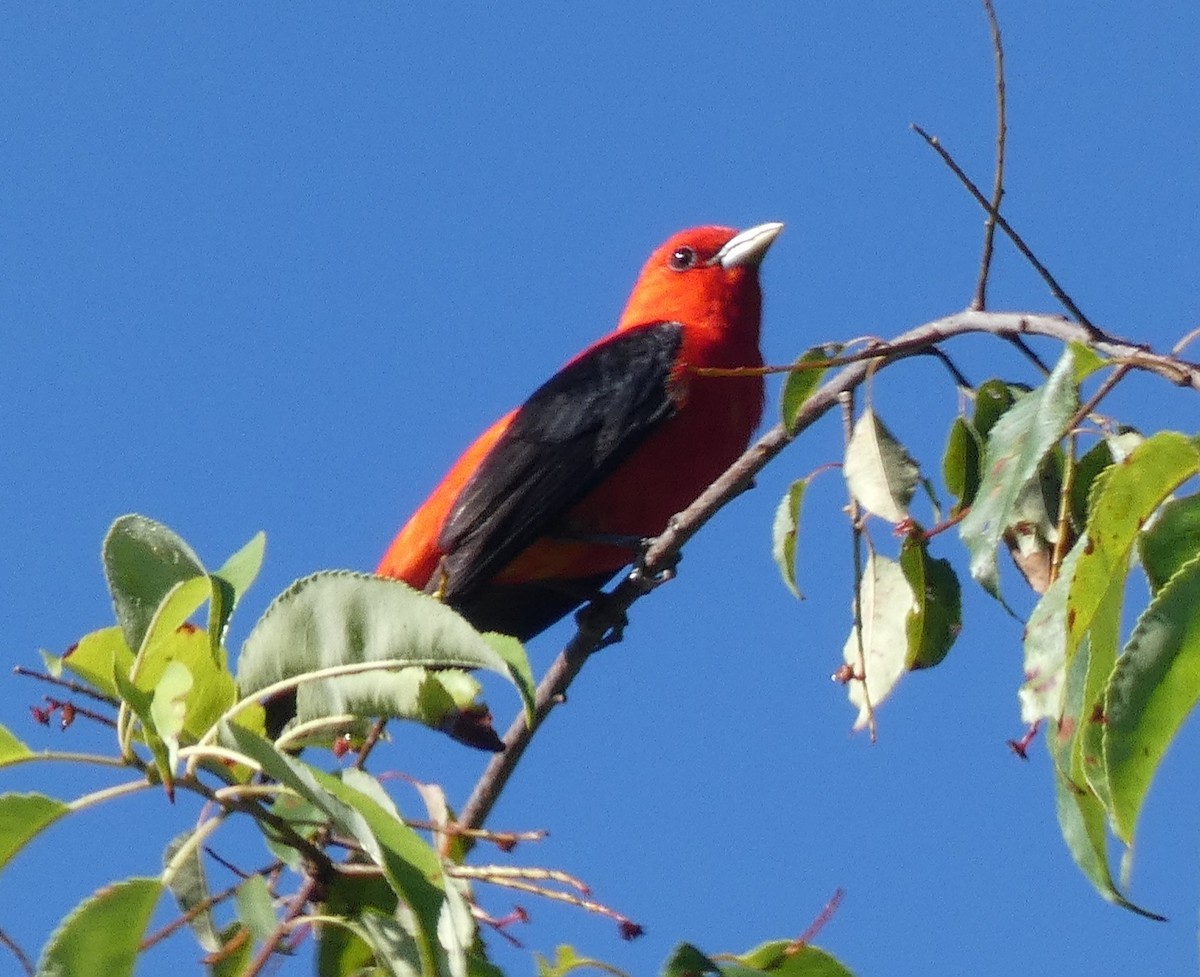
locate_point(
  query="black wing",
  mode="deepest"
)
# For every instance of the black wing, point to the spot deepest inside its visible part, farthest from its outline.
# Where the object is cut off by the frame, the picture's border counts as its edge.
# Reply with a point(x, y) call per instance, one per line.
point(564, 440)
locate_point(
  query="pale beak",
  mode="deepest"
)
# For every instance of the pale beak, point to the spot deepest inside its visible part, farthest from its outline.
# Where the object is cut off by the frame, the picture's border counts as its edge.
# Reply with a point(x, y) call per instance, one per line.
point(747, 248)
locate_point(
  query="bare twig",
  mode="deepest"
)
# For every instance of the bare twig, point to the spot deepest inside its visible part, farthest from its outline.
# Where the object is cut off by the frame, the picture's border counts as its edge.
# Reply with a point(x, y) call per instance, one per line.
point(989, 224)
point(665, 549)
point(1055, 289)
point(846, 399)
point(24, 961)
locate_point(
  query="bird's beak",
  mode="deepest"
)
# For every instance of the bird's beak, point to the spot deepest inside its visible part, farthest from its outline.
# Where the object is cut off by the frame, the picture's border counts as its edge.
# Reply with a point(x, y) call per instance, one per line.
point(746, 249)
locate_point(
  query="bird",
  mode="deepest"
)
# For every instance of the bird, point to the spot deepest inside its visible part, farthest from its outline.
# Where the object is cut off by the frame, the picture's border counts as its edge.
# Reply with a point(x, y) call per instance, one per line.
point(550, 502)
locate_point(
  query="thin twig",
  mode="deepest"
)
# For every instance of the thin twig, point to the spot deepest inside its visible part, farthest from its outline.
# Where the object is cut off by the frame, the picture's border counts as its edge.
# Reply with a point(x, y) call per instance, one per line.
point(846, 399)
point(1055, 289)
point(63, 683)
point(24, 961)
point(989, 224)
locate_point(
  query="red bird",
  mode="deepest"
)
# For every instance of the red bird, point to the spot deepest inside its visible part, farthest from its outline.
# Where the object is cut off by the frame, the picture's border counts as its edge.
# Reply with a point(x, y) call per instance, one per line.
point(538, 513)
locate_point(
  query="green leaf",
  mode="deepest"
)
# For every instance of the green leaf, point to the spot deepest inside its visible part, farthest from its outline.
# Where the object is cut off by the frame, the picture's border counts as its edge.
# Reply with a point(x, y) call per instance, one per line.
point(962, 463)
point(1153, 688)
point(12, 750)
point(885, 602)
point(97, 656)
point(256, 908)
point(168, 708)
point(1019, 441)
point(993, 398)
point(519, 669)
point(775, 959)
point(348, 949)
point(231, 581)
point(801, 383)
point(881, 475)
point(1172, 540)
point(102, 934)
point(687, 961)
point(1081, 816)
point(411, 867)
point(1046, 647)
point(213, 689)
point(143, 562)
point(23, 817)
point(935, 619)
point(1087, 470)
point(1127, 495)
point(339, 618)
point(391, 943)
point(189, 886)
point(784, 533)
point(1087, 361)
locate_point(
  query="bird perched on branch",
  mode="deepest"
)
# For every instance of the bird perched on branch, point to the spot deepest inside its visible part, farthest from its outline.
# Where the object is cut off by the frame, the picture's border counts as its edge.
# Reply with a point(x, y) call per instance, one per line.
point(549, 503)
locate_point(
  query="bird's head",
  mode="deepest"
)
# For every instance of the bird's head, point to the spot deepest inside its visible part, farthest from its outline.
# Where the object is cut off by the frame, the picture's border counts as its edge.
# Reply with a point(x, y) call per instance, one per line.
point(704, 277)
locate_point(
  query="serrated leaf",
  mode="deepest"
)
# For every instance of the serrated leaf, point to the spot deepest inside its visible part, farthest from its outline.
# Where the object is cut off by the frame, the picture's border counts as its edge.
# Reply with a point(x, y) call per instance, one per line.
point(102, 934)
point(801, 383)
point(775, 959)
point(1019, 441)
point(881, 475)
point(1081, 816)
point(12, 750)
point(1127, 495)
point(935, 619)
point(143, 562)
point(885, 602)
point(340, 618)
point(23, 817)
point(784, 534)
point(962, 462)
point(1154, 686)
point(1172, 540)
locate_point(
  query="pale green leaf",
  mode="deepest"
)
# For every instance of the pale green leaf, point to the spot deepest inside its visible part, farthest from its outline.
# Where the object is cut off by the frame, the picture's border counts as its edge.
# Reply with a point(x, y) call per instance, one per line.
point(784, 533)
point(189, 886)
point(256, 908)
point(23, 817)
point(12, 750)
point(885, 602)
point(168, 708)
point(102, 934)
point(881, 475)
point(1018, 442)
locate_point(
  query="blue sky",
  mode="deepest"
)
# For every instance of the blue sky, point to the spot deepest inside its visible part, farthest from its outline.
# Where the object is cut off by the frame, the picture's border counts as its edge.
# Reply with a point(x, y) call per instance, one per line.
point(270, 267)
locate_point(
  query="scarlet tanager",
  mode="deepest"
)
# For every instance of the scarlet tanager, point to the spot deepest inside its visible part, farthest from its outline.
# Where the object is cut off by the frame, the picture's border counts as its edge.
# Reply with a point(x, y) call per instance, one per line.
point(538, 513)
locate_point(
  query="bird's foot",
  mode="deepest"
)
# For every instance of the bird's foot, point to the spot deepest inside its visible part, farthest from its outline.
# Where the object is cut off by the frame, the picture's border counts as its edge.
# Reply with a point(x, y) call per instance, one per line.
point(604, 617)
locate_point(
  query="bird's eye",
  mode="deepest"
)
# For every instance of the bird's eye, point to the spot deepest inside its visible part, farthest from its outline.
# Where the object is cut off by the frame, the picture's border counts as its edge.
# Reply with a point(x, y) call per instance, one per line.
point(682, 258)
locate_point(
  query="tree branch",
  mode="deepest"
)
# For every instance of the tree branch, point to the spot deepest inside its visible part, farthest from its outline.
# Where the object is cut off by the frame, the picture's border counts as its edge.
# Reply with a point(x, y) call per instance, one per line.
point(601, 618)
